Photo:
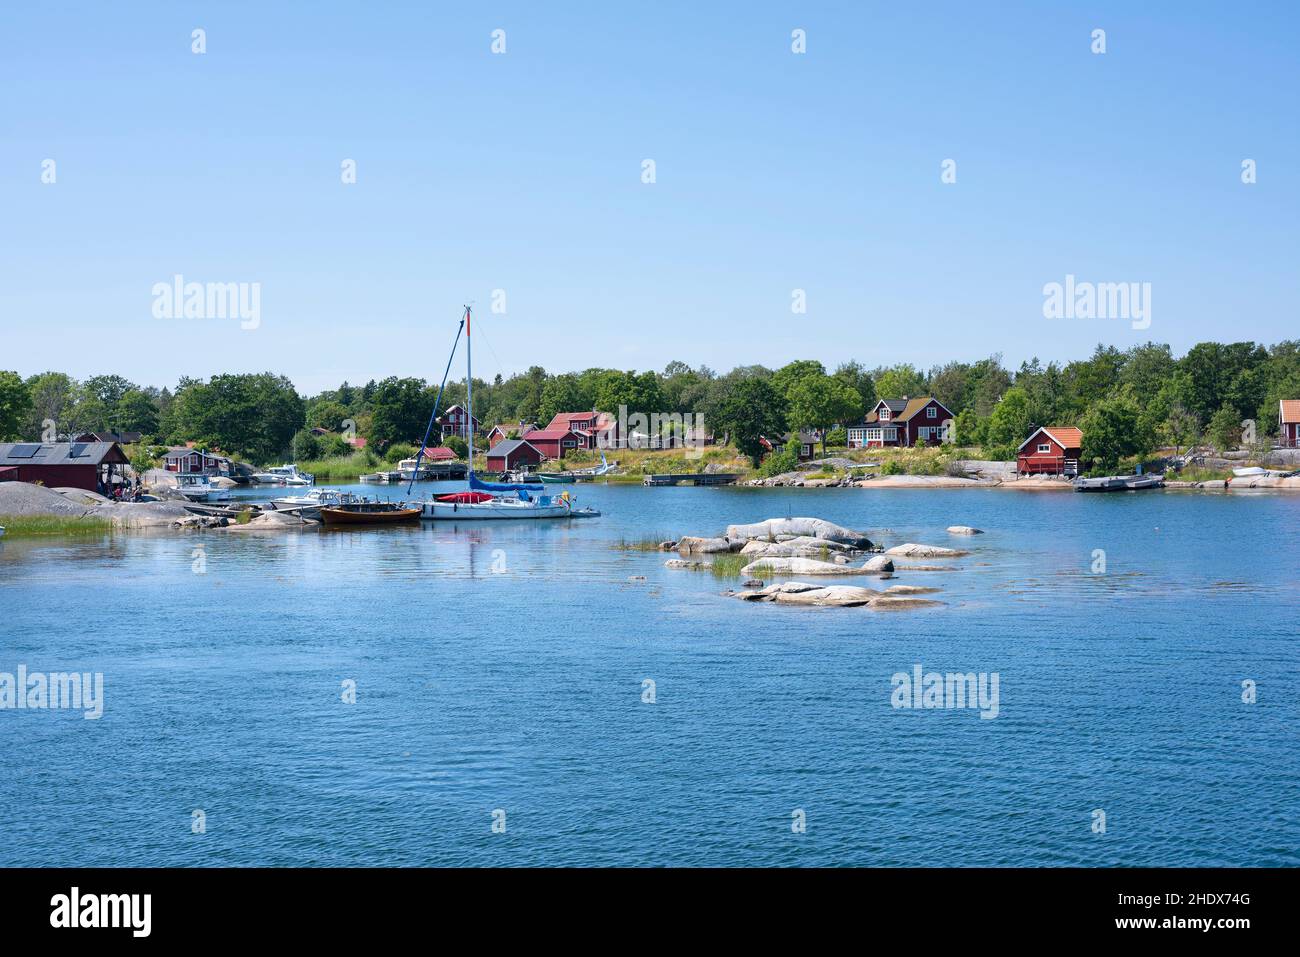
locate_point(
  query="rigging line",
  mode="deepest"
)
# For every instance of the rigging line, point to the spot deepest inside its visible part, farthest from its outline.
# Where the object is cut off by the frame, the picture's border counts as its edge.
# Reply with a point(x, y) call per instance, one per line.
point(434, 414)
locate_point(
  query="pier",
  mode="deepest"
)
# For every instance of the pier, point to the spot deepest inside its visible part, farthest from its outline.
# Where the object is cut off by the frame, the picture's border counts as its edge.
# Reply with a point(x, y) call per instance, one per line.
point(695, 478)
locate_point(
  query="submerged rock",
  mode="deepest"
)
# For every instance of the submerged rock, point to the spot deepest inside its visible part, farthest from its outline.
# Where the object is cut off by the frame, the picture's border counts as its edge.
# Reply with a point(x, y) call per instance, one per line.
point(912, 550)
point(890, 602)
point(682, 563)
point(964, 530)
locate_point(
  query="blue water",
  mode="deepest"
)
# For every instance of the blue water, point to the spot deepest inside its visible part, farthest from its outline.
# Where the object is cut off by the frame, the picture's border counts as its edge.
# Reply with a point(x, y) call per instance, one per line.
point(521, 690)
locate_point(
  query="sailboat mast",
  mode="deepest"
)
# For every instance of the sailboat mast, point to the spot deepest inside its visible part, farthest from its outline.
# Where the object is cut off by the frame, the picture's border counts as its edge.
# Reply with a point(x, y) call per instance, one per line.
point(469, 391)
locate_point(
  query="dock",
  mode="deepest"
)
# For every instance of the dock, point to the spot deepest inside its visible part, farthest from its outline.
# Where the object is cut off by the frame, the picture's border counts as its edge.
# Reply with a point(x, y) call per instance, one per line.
point(695, 478)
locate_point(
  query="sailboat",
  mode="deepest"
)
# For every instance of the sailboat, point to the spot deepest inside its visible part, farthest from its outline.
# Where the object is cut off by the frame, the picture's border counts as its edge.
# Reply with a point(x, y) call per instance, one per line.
point(493, 501)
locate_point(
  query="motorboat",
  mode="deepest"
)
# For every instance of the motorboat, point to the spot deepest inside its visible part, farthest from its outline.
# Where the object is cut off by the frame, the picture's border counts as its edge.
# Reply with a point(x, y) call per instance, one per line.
point(196, 487)
point(314, 499)
point(284, 475)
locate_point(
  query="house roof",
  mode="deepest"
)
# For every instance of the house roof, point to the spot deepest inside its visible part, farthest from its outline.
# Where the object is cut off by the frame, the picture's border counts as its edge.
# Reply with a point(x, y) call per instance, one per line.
point(126, 438)
point(60, 453)
point(565, 420)
point(439, 454)
point(548, 434)
point(507, 427)
point(451, 409)
point(900, 410)
point(1290, 411)
point(509, 447)
point(1066, 436)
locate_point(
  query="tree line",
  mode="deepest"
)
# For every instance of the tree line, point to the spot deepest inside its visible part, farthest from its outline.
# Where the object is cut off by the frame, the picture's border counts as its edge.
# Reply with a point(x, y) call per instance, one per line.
point(1128, 402)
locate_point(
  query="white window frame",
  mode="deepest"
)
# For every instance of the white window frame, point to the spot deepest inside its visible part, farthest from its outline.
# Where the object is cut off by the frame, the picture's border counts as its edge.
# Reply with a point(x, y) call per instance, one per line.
point(1044, 448)
point(884, 413)
point(931, 412)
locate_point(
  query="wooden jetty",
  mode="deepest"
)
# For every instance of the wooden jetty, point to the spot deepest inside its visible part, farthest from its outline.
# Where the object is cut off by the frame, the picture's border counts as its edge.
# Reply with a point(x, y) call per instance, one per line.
point(695, 478)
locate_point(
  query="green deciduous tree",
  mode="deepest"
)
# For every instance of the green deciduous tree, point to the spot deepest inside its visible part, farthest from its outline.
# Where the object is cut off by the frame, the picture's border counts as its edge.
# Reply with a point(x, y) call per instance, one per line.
point(819, 401)
point(15, 405)
point(749, 410)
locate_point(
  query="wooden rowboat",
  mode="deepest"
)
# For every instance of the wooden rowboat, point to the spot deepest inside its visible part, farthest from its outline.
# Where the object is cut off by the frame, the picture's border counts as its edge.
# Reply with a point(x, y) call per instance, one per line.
point(368, 513)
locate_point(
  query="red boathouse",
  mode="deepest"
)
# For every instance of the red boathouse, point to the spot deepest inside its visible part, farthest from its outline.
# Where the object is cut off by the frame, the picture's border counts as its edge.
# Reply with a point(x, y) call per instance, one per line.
point(1050, 451)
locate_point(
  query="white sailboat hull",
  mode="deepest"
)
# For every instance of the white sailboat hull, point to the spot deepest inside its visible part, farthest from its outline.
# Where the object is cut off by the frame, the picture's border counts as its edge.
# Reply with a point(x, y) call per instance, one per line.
point(491, 511)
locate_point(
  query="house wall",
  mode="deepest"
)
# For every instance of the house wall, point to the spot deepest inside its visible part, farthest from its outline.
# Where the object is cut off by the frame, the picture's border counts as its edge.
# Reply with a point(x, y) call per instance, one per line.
point(61, 476)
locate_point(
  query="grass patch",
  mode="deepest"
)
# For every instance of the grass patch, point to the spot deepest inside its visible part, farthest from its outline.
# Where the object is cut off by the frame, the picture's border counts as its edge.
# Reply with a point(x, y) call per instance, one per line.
point(337, 467)
point(36, 526)
point(649, 543)
point(729, 565)
point(1191, 474)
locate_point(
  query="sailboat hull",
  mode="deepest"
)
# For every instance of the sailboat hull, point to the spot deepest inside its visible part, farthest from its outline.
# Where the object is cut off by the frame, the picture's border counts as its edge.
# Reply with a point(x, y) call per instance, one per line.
point(493, 511)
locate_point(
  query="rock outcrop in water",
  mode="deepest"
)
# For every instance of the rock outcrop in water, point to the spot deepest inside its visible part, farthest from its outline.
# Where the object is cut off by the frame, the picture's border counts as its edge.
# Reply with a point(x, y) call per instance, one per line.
point(843, 596)
point(912, 550)
point(692, 545)
point(781, 529)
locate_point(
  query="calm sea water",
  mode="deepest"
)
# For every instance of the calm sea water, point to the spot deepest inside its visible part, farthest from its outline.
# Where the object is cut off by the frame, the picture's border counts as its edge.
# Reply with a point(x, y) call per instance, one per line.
point(502, 667)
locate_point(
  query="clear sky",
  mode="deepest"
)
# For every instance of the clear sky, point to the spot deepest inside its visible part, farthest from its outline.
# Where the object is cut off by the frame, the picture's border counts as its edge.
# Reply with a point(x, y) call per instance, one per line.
point(523, 172)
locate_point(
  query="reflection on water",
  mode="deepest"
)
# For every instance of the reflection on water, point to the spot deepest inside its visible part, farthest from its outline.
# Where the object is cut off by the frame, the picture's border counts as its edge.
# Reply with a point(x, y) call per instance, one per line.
point(501, 665)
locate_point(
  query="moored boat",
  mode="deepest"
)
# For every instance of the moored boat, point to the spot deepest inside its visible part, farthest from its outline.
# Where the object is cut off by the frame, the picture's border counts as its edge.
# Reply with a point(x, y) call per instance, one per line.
point(368, 513)
point(1119, 483)
point(505, 500)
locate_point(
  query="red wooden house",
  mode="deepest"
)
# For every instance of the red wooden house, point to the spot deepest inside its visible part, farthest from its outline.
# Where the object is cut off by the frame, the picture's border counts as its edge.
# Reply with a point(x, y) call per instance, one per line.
point(196, 462)
point(901, 422)
point(93, 466)
point(590, 428)
point(456, 421)
point(501, 431)
point(512, 454)
point(554, 443)
point(1288, 420)
point(1050, 451)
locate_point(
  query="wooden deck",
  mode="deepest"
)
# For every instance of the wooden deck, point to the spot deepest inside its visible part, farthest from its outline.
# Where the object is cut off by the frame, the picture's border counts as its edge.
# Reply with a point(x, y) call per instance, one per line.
point(695, 478)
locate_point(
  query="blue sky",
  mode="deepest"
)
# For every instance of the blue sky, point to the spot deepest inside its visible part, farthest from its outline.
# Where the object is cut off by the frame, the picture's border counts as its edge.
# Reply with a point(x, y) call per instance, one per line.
point(522, 172)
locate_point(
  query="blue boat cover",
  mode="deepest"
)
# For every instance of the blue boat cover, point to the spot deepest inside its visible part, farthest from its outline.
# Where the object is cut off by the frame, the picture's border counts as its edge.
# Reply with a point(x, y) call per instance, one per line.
point(480, 486)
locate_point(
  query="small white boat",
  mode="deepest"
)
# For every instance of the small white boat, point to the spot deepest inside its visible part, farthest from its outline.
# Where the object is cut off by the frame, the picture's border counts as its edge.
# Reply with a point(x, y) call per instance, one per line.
point(317, 497)
point(195, 487)
point(285, 475)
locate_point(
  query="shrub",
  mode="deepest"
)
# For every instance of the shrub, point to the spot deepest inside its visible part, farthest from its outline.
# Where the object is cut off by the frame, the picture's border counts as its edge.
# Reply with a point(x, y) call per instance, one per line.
point(398, 451)
point(787, 460)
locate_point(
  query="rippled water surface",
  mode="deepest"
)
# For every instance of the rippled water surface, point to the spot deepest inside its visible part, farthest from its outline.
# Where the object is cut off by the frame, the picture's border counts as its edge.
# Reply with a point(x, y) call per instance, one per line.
point(502, 667)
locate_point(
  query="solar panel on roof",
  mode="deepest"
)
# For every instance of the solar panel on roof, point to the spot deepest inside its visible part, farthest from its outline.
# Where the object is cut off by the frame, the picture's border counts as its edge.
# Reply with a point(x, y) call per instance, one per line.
point(25, 450)
point(78, 450)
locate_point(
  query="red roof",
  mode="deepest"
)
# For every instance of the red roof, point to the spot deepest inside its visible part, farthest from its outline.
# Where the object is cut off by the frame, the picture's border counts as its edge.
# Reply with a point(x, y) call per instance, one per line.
point(439, 454)
point(1290, 411)
point(548, 434)
point(1066, 436)
point(564, 420)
